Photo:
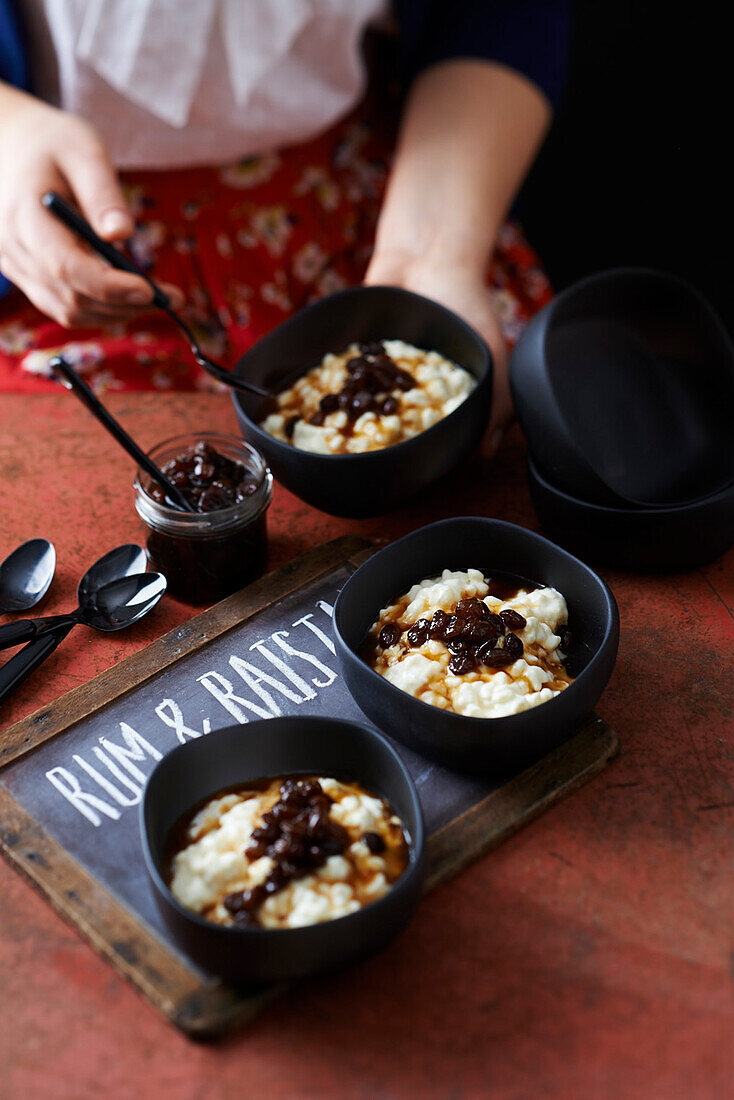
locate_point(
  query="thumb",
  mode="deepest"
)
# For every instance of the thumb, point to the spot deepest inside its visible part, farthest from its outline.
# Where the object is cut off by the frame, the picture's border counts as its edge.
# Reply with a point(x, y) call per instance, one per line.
point(93, 181)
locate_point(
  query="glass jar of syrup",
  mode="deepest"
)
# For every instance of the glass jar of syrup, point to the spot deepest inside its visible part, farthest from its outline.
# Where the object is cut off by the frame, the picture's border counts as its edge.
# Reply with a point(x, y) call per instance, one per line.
point(208, 554)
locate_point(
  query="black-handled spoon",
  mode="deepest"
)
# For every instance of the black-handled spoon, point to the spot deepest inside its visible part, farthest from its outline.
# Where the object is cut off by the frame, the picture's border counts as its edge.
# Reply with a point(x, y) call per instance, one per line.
point(74, 221)
point(25, 575)
point(113, 607)
point(124, 561)
point(69, 378)
point(15, 671)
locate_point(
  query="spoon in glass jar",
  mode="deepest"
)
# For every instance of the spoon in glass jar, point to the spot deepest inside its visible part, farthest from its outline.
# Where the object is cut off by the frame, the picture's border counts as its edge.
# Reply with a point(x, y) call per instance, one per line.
point(69, 378)
point(74, 221)
point(26, 574)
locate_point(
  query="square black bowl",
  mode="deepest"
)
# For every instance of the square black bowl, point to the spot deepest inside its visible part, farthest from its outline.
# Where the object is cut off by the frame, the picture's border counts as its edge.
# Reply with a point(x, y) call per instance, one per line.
point(477, 745)
point(376, 482)
point(270, 748)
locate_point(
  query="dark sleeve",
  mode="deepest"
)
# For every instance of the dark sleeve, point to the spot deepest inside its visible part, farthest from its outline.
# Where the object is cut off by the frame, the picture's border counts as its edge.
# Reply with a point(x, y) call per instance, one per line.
point(13, 68)
point(530, 36)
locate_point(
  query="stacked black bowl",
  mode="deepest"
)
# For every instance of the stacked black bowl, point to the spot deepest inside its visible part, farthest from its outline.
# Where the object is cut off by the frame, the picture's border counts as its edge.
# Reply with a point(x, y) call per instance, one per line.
point(624, 386)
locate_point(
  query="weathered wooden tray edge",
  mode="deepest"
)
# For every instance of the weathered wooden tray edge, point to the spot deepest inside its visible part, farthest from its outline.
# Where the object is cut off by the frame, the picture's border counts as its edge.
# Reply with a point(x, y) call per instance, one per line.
point(210, 1009)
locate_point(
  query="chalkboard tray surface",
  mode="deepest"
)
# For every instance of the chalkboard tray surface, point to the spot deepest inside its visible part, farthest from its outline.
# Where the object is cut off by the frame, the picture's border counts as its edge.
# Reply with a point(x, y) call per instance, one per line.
point(72, 773)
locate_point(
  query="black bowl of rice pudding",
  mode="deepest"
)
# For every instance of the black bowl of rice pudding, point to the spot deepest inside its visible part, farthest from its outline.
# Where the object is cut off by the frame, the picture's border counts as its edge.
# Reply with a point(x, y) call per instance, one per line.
point(380, 393)
point(477, 643)
point(283, 848)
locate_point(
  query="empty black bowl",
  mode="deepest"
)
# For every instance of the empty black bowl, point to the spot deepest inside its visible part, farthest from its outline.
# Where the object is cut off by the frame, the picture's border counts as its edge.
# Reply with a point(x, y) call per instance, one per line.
point(624, 385)
point(274, 747)
point(378, 481)
point(477, 744)
point(649, 539)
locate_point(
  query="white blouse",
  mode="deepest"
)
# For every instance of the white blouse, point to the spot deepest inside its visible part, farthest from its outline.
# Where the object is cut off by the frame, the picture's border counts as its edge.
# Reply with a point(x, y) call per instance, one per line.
point(169, 83)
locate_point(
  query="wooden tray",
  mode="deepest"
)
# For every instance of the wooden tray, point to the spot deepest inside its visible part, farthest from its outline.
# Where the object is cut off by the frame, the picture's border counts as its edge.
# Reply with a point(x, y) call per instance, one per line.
point(77, 864)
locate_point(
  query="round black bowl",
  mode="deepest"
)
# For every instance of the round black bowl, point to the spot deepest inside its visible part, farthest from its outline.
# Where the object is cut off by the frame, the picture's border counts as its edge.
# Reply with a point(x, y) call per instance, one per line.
point(273, 747)
point(623, 385)
point(477, 744)
point(649, 539)
point(378, 481)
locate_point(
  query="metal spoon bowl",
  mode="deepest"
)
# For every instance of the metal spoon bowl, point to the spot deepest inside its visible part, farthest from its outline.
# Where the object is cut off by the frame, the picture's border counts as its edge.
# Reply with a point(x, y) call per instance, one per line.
point(124, 561)
point(122, 602)
point(26, 574)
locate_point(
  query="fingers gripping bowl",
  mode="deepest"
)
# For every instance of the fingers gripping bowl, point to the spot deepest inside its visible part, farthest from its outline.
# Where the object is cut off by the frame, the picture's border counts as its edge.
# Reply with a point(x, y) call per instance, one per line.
point(460, 740)
point(375, 481)
point(249, 947)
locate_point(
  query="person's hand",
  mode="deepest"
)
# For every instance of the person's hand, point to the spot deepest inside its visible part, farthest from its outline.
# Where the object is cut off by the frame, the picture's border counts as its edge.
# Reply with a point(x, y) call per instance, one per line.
point(464, 292)
point(41, 149)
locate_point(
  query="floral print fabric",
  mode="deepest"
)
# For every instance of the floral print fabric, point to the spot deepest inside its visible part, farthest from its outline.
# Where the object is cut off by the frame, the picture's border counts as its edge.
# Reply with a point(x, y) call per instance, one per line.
point(248, 244)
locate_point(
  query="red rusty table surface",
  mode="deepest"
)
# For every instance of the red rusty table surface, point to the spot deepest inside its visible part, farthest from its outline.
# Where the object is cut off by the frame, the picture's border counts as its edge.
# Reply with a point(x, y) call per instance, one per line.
point(590, 956)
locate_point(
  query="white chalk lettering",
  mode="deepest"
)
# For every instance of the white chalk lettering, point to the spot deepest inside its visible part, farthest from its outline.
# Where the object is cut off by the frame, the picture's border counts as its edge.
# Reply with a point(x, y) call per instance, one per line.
point(255, 678)
point(119, 797)
point(135, 748)
point(327, 608)
point(298, 681)
point(170, 713)
point(135, 788)
point(291, 652)
point(69, 786)
point(305, 620)
point(223, 691)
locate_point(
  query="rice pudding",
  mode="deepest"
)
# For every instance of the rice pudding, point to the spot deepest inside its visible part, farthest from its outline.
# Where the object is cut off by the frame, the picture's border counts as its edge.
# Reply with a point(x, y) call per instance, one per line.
point(284, 853)
point(370, 396)
point(479, 647)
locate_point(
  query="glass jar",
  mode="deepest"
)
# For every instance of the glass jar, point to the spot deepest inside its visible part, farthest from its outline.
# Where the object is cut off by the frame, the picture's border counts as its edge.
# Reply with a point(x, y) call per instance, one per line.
point(206, 556)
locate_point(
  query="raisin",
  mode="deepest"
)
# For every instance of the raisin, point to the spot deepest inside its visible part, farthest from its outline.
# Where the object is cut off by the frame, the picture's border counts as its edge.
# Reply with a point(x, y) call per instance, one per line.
point(455, 625)
point(457, 645)
point(472, 609)
point(243, 918)
point(384, 378)
point(389, 406)
point(374, 842)
point(372, 347)
point(438, 622)
point(255, 849)
point(514, 646)
point(513, 620)
point(497, 622)
point(495, 658)
point(461, 663)
point(479, 631)
point(318, 418)
point(418, 633)
point(329, 403)
point(404, 381)
point(362, 402)
point(290, 426)
point(389, 635)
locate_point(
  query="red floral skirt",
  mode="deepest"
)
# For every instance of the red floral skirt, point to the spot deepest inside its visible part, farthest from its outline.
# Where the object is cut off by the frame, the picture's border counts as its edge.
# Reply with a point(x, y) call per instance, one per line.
point(248, 245)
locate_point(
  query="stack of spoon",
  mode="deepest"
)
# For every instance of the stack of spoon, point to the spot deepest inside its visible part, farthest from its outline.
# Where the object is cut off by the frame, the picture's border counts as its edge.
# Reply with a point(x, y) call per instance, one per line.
point(115, 592)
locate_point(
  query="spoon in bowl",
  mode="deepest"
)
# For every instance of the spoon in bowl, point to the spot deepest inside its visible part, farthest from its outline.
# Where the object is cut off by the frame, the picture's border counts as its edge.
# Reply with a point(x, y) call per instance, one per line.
point(74, 221)
point(115, 606)
point(26, 574)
